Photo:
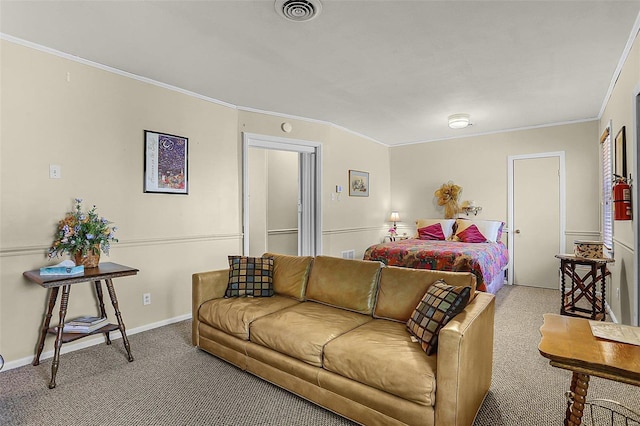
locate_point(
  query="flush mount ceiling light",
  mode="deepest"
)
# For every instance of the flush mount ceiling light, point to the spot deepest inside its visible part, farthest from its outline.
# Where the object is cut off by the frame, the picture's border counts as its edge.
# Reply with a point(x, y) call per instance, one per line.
point(459, 121)
point(298, 10)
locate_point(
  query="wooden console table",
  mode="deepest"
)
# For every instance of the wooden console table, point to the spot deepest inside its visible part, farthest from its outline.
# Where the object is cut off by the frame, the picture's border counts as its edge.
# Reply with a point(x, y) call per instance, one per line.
point(569, 344)
point(583, 286)
point(105, 271)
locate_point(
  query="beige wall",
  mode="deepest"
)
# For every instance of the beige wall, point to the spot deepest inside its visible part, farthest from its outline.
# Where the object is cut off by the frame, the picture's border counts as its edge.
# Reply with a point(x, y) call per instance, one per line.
point(619, 110)
point(92, 126)
point(347, 222)
point(91, 122)
point(479, 165)
point(354, 222)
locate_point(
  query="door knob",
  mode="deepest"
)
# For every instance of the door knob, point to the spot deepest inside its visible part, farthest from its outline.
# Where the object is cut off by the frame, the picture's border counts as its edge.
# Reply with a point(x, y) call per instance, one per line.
point(517, 231)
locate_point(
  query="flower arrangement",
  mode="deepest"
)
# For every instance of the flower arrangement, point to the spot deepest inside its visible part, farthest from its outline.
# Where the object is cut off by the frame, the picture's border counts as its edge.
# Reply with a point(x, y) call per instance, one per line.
point(448, 197)
point(82, 233)
point(393, 231)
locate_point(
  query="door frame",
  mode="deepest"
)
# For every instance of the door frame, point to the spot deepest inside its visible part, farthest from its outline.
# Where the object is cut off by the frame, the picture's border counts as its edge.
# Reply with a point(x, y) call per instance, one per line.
point(510, 202)
point(635, 319)
point(309, 243)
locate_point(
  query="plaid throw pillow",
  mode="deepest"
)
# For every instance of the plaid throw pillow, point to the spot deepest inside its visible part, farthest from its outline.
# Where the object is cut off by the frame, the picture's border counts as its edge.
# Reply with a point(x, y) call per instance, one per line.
point(250, 277)
point(441, 303)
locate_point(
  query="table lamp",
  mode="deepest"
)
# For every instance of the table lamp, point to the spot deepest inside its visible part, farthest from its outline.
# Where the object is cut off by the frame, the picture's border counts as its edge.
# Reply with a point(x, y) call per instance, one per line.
point(395, 217)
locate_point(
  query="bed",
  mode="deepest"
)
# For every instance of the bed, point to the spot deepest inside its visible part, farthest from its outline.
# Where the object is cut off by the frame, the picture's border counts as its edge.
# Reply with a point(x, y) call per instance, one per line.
point(486, 259)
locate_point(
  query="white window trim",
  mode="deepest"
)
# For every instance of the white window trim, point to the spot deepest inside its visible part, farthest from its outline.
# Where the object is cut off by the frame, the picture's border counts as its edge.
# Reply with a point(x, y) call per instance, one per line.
point(606, 165)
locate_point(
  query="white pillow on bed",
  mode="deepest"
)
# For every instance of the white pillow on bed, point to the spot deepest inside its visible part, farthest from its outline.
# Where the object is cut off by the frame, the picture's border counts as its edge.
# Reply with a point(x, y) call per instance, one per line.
point(447, 226)
point(490, 229)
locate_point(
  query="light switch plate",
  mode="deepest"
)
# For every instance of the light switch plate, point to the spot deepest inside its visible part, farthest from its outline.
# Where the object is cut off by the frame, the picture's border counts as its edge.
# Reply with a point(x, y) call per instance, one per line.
point(55, 171)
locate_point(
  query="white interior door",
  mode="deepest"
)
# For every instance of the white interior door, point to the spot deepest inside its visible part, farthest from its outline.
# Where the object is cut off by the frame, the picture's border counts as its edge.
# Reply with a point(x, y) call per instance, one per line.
point(536, 223)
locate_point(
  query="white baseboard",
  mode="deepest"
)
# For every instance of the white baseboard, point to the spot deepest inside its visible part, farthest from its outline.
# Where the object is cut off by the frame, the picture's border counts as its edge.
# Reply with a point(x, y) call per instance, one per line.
point(94, 340)
point(607, 308)
point(610, 312)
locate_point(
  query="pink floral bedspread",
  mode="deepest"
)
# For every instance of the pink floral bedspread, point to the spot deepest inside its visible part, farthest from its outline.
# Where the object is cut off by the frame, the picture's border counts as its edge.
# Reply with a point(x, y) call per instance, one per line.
point(487, 259)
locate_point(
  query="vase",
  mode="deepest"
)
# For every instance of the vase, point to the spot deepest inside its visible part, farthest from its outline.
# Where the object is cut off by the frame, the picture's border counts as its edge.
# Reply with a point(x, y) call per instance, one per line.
point(89, 260)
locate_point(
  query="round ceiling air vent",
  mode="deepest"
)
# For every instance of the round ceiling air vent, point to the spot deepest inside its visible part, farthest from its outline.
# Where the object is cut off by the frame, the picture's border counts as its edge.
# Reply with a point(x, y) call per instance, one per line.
point(298, 10)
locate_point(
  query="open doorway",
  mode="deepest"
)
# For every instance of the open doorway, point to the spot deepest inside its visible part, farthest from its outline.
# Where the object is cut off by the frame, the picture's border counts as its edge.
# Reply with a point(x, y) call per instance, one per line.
point(274, 198)
point(281, 195)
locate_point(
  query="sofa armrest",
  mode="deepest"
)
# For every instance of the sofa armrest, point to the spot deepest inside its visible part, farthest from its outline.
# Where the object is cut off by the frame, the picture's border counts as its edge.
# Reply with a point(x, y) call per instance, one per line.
point(205, 286)
point(465, 362)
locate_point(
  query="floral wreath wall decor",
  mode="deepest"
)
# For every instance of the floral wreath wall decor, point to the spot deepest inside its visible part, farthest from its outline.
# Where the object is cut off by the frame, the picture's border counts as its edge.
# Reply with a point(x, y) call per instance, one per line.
point(448, 195)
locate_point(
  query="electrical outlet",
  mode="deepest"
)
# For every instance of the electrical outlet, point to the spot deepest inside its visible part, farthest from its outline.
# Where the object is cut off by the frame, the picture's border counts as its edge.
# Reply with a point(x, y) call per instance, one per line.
point(146, 299)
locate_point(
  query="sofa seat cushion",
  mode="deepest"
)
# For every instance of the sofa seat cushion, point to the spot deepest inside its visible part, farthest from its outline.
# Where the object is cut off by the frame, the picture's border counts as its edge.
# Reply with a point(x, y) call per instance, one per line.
point(234, 315)
point(382, 355)
point(302, 331)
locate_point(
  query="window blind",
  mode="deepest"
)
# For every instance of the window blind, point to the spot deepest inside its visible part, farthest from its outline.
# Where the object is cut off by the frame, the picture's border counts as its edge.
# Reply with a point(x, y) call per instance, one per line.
point(607, 182)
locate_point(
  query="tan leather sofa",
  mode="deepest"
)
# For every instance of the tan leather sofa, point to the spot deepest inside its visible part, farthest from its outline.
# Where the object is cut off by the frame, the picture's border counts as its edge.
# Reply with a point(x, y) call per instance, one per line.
point(335, 334)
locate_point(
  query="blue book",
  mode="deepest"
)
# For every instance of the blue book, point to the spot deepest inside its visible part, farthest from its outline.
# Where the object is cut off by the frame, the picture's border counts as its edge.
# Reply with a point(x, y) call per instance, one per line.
point(66, 267)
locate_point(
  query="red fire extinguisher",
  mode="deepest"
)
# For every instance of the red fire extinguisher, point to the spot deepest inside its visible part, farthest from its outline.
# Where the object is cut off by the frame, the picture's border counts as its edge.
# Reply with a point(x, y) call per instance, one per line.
point(621, 200)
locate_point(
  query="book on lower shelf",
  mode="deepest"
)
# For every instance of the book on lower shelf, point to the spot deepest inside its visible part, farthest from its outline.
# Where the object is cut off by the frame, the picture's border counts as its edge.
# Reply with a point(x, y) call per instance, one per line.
point(84, 324)
point(86, 320)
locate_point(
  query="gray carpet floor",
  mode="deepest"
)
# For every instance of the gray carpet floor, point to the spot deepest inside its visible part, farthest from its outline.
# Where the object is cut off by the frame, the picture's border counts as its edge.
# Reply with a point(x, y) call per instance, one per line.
point(525, 389)
point(172, 383)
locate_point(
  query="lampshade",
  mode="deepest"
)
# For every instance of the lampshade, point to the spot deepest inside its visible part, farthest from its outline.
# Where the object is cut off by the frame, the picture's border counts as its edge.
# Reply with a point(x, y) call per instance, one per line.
point(395, 217)
point(459, 121)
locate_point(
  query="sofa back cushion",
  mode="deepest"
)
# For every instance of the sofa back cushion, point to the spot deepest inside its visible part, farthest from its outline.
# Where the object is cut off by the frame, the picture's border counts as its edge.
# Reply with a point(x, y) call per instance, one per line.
point(344, 283)
point(401, 289)
point(290, 274)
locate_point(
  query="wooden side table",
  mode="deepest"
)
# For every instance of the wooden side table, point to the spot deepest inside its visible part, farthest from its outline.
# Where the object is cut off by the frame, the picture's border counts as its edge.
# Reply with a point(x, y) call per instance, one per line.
point(105, 271)
point(568, 343)
point(584, 285)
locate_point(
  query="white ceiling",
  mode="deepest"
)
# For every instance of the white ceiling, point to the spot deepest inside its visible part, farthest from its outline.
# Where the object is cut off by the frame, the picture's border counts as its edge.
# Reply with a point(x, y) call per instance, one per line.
point(389, 70)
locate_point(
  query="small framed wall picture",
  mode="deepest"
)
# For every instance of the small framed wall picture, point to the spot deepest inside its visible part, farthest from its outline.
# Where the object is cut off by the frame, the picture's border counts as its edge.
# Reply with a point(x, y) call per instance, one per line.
point(358, 183)
point(620, 154)
point(165, 163)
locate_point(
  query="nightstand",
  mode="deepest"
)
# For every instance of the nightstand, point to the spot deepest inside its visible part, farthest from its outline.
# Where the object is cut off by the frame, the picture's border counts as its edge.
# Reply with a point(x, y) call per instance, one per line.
point(395, 238)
